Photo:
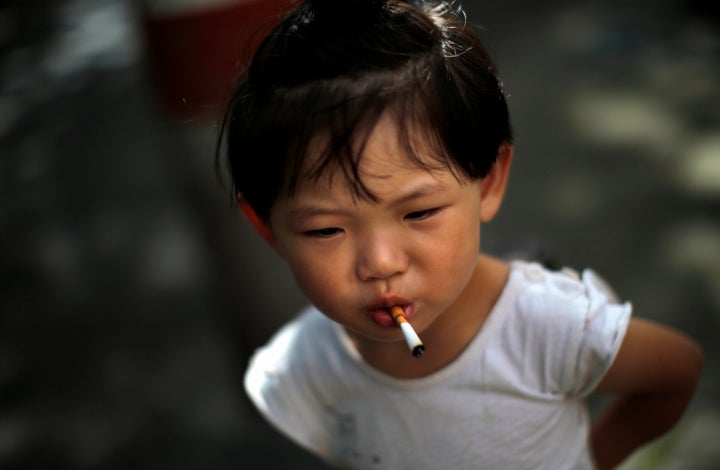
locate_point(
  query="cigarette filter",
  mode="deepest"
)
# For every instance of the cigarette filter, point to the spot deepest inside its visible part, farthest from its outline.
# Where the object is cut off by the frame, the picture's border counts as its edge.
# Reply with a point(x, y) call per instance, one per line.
point(411, 338)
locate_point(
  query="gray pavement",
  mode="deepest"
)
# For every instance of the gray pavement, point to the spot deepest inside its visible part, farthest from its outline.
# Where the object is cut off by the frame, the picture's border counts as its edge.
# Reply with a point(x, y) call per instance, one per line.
point(132, 294)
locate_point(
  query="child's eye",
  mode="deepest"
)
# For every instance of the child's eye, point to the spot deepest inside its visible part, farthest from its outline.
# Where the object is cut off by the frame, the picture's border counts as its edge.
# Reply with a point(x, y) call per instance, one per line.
point(324, 232)
point(423, 214)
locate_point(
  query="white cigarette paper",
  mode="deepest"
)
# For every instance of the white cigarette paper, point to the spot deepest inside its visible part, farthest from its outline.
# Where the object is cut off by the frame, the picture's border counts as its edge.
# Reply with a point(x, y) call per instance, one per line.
point(411, 338)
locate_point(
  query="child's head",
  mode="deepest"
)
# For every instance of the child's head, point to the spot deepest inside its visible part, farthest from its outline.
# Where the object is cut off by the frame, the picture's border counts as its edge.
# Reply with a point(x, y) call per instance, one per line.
point(332, 68)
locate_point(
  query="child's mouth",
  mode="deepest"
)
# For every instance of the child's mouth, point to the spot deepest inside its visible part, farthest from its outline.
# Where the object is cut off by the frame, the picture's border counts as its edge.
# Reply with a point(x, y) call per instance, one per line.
point(382, 317)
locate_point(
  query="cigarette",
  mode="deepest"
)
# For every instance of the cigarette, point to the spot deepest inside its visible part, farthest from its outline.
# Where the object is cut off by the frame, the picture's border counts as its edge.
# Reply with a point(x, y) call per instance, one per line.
point(411, 338)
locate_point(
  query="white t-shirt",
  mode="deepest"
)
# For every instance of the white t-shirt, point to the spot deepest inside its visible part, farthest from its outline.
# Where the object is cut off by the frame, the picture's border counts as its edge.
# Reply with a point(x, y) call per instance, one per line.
point(512, 400)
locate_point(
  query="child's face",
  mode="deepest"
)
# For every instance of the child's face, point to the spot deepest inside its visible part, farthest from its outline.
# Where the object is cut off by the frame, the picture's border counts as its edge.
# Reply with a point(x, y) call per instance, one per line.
point(353, 258)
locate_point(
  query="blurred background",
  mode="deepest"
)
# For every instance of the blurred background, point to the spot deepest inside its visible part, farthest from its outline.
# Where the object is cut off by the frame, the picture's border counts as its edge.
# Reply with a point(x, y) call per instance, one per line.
point(132, 293)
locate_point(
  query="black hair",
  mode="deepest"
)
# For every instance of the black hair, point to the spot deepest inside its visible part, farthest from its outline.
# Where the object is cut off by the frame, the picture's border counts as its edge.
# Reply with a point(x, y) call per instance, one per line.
point(335, 67)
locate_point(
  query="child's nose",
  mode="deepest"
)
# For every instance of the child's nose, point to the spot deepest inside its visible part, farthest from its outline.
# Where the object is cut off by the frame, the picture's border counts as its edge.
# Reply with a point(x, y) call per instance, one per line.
point(381, 256)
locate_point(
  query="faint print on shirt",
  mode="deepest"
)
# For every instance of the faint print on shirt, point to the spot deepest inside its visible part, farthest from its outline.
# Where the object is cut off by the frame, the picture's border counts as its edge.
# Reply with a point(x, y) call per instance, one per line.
point(346, 432)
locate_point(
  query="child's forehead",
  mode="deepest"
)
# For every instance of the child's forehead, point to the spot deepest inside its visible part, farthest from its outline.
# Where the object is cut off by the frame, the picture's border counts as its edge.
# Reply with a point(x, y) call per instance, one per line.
point(372, 172)
point(407, 182)
point(385, 150)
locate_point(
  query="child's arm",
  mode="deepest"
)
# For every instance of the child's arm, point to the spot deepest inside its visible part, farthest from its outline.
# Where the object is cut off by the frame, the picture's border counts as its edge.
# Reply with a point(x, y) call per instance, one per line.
point(653, 378)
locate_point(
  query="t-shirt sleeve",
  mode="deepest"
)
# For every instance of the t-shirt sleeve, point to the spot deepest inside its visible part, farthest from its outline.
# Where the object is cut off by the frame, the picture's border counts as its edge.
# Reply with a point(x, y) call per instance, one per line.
point(602, 330)
point(567, 330)
point(277, 386)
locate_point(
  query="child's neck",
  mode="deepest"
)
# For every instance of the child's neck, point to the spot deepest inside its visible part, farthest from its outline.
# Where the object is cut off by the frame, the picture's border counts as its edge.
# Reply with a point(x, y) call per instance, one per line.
point(451, 333)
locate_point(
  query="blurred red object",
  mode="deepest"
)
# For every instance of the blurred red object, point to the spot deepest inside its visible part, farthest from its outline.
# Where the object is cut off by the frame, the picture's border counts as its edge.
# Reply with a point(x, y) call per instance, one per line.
point(196, 48)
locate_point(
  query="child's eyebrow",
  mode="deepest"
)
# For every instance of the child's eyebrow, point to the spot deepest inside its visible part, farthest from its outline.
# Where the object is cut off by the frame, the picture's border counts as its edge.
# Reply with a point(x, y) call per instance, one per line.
point(423, 189)
point(302, 212)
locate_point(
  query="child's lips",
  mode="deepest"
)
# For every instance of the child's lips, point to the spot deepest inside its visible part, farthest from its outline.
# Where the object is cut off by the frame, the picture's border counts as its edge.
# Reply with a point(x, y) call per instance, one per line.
point(381, 315)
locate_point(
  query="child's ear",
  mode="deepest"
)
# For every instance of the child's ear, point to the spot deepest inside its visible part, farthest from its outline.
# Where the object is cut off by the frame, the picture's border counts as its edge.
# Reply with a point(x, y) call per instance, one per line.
point(493, 186)
point(261, 227)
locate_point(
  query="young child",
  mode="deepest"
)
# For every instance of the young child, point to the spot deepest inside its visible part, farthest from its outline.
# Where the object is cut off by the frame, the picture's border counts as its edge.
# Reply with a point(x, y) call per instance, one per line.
point(367, 143)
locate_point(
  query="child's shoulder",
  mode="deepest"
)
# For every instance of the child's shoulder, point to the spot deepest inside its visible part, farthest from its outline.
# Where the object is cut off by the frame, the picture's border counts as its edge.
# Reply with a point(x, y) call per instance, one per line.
point(541, 291)
point(300, 340)
point(549, 307)
point(572, 322)
point(284, 379)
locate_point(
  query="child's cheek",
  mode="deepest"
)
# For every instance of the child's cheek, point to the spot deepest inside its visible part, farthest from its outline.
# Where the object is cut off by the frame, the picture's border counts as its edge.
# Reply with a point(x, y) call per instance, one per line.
point(318, 278)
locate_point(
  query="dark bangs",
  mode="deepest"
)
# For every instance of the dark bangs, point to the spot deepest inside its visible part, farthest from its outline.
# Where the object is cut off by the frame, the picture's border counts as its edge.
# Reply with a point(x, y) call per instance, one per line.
point(316, 80)
point(333, 120)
